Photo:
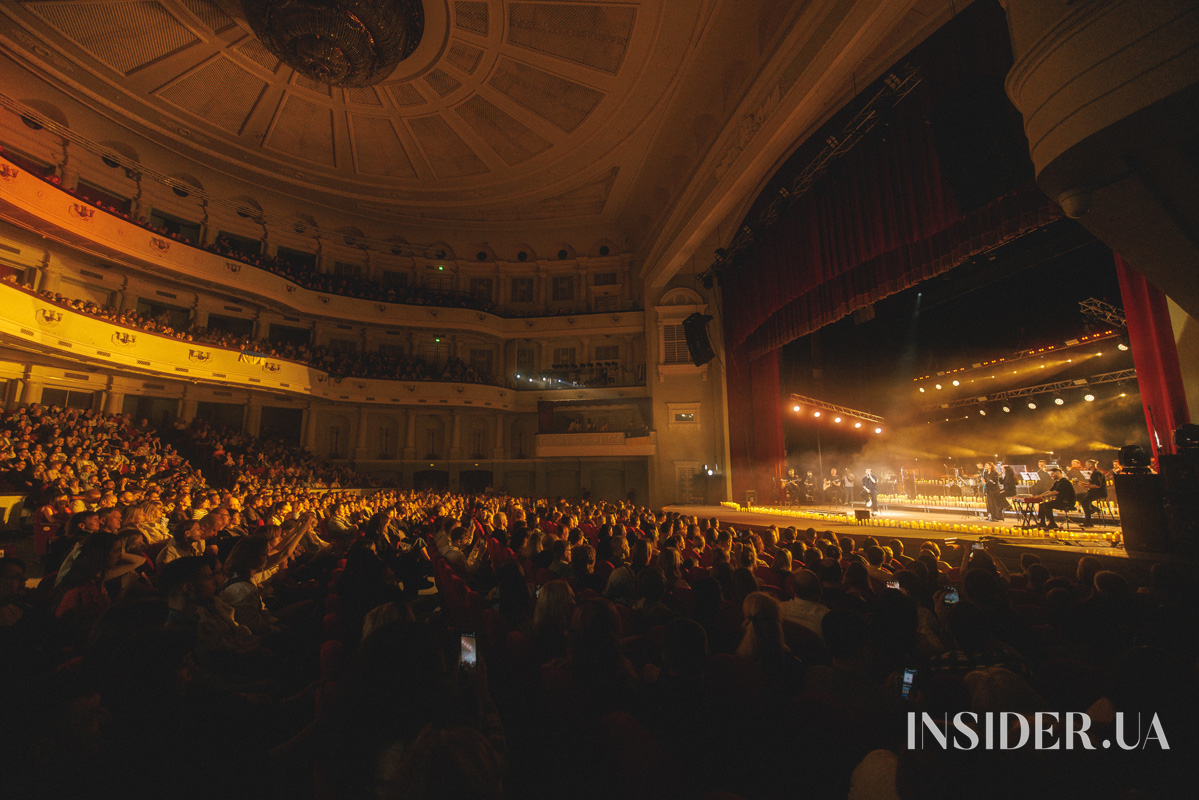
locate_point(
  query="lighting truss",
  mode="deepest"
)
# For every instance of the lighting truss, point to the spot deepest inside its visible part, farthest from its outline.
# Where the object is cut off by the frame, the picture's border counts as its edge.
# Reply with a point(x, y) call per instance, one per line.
point(898, 84)
point(1102, 311)
point(799, 399)
point(1040, 388)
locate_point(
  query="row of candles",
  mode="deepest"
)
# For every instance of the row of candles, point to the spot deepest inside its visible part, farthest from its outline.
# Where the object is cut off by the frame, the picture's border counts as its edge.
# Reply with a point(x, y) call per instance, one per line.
point(1112, 537)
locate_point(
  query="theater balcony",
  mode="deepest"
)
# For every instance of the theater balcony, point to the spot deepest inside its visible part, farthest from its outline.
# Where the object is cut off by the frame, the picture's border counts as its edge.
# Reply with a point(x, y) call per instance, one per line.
point(47, 209)
point(596, 444)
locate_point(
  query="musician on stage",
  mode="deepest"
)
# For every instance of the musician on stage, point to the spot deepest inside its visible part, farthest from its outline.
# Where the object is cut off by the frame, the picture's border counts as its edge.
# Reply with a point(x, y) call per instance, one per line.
point(791, 487)
point(1044, 479)
point(1060, 495)
point(1009, 484)
point(834, 491)
point(1096, 490)
point(809, 488)
point(980, 482)
point(848, 482)
point(870, 489)
point(1076, 476)
point(991, 483)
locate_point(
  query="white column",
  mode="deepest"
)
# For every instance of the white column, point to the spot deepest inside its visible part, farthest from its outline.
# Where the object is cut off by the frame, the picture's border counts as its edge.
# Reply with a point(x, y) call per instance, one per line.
point(254, 417)
point(455, 435)
point(410, 436)
point(360, 449)
point(310, 428)
point(500, 422)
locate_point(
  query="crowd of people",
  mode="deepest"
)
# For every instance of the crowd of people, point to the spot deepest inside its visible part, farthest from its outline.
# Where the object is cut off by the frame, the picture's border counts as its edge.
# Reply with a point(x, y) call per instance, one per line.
point(265, 638)
point(51, 453)
point(379, 364)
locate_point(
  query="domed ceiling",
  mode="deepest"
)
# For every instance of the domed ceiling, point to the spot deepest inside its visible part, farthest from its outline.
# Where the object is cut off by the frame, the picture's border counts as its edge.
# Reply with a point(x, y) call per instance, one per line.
point(499, 99)
point(647, 119)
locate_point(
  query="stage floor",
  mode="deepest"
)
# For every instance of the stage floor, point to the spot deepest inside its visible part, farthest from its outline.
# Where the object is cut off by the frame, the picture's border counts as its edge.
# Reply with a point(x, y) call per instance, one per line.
point(919, 526)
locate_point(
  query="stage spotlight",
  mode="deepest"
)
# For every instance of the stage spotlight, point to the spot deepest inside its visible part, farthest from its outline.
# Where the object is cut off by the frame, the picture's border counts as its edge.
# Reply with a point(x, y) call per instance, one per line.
point(857, 424)
point(1121, 347)
point(878, 430)
point(1057, 401)
point(1186, 437)
point(1032, 405)
point(1007, 409)
point(982, 412)
point(957, 383)
point(921, 390)
point(836, 419)
point(817, 414)
point(1134, 458)
point(795, 408)
point(938, 386)
point(1089, 398)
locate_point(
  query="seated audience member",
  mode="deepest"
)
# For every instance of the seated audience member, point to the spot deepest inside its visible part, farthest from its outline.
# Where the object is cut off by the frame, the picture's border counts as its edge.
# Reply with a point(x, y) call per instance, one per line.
point(187, 540)
point(806, 607)
point(763, 645)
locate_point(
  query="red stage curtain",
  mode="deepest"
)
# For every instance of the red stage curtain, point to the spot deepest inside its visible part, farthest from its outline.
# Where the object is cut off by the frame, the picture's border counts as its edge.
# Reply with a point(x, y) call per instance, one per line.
point(858, 286)
point(883, 217)
point(755, 424)
point(1155, 355)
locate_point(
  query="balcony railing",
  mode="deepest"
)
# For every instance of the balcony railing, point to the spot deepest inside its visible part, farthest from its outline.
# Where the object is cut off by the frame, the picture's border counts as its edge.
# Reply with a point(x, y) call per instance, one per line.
point(43, 205)
point(576, 445)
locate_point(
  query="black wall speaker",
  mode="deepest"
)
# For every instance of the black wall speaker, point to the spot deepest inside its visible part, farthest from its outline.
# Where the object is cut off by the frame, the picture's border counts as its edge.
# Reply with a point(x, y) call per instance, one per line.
point(695, 329)
point(1142, 511)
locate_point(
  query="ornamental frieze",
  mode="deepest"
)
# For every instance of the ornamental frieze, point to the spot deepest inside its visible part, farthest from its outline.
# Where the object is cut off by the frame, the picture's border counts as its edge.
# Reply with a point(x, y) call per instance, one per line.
point(48, 316)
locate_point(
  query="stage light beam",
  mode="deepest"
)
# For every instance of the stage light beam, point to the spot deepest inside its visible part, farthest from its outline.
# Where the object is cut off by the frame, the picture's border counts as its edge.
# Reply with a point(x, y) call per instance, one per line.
point(795, 409)
point(817, 414)
point(1090, 398)
point(836, 419)
point(1033, 406)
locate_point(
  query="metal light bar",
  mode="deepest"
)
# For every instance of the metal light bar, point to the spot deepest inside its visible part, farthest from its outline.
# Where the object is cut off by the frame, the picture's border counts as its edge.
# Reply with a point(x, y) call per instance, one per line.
point(898, 84)
point(1041, 388)
point(1032, 352)
point(1103, 312)
point(800, 399)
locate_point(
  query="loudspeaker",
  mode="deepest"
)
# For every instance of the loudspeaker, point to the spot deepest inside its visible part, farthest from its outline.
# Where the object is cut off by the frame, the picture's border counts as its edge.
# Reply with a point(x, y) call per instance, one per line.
point(861, 513)
point(1142, 511)
point(695, 329)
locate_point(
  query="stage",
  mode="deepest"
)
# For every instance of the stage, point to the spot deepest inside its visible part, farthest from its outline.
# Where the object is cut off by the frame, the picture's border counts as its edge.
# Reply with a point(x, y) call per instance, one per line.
point(1058, 549)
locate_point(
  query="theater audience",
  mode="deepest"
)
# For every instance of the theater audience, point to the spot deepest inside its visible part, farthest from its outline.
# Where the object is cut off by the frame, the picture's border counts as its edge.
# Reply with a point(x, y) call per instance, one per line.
point(311, 639)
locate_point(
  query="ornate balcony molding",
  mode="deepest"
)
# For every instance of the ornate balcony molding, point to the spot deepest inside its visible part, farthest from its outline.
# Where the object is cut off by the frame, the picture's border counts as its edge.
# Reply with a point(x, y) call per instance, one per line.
point(33, 323)
point(49, 210)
